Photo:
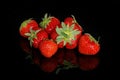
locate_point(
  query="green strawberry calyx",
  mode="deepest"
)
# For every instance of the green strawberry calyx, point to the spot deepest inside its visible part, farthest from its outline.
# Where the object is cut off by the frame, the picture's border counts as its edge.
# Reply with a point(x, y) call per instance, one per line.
point(32, 35)
point(75, 21)
point(45, 21)
point(25, 22)
point(66, 33)
point(93, 39)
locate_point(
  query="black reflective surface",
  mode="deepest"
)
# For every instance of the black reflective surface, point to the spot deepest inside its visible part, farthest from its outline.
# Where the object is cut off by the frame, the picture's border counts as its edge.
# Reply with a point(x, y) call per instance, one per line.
point(94, 21)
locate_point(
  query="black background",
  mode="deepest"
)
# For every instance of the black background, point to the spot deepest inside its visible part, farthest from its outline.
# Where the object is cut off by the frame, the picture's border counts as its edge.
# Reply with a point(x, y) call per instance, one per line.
point(99, 20)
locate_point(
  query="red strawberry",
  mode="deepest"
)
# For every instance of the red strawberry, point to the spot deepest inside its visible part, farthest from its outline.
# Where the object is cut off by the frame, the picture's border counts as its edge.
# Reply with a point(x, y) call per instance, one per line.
point(36, 35)
point(66, 36)
point(88, 62)
point(49, 23)
point(48, 48)
point(88, 45)
point(25, 26)
point(72, 20)
point(72, 45)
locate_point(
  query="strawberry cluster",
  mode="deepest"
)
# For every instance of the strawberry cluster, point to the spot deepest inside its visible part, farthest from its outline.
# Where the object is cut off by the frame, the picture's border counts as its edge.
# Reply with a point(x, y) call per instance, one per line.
point(51, 34)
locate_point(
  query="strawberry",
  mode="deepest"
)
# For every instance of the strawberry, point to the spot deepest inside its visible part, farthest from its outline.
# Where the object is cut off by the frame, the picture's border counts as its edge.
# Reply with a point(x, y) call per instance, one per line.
point(25, 26)
point(88, 45)
point(36, 35)
point(87, 63)
point(66, 36)
point(71, 20)
point(49, 23)
point(48, 48)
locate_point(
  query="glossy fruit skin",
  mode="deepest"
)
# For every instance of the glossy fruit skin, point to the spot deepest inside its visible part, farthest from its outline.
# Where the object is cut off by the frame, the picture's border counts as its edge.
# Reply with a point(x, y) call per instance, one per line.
point(49, 23)
point(48, 48)
point(72, 45)
point(52, 25)
point(26, 25)
point(86, 46)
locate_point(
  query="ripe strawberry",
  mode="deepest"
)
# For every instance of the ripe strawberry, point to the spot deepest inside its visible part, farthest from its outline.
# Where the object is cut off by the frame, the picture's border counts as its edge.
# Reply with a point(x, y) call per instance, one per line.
point(49, 23)
point(87, 63)
point(25, 26)
point(36, 35)
point(88, 45)
point(48, 48)
point(66, 36)
point(71, 20)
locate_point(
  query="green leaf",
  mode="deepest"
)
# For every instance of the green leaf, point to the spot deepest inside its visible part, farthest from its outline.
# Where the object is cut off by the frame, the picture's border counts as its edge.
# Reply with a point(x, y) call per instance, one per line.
point(63, 25)
point(58, 30)
point(27, 34)
point(58, 40)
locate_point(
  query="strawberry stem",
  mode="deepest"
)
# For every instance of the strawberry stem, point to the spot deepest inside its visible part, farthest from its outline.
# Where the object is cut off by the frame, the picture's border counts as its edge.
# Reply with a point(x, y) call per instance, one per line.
point(98, 38)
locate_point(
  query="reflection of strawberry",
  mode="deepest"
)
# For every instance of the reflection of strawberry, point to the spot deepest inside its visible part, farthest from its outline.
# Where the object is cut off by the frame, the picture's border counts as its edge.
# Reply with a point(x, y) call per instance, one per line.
point(71, 57)
point(26, 25)
point(88, 45)
point(36, 35)
point(24, 44)
point(36, 57)
point(48, 64)
point(48, 48)
point(49, 23)
point(60, 55)
point(88, 62)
